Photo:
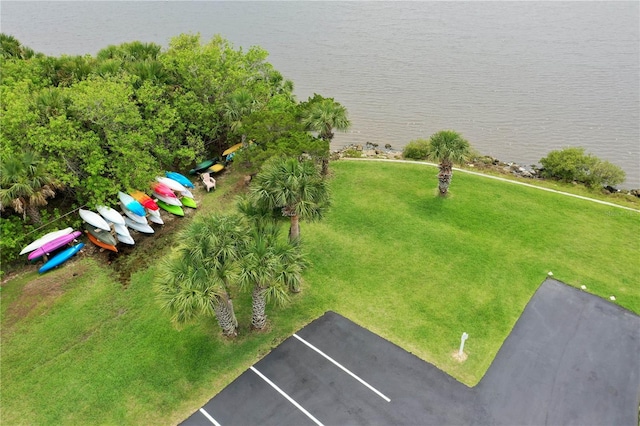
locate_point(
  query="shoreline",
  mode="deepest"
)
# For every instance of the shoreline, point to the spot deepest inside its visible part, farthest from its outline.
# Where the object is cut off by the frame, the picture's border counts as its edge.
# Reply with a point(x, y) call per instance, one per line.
point(480, 163)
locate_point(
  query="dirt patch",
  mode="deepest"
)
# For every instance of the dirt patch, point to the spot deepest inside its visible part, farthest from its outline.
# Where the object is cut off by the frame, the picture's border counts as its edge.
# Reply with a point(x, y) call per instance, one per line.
point(41, 293)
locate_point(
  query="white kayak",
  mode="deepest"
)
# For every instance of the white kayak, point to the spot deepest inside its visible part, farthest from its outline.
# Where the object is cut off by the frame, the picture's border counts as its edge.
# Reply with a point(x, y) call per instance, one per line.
point(155, 213)
point(125, 239)
point(94, 219)
point(36, 244)
point(137, 226)
point(169, 200)
point(111, 215)
point(121, 229)
point(131, 215)
point(156, 219)
point(174, 185)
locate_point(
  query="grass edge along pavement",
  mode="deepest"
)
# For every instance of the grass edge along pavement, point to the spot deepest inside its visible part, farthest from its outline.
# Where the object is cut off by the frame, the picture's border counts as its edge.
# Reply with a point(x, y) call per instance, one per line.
point(391, 255)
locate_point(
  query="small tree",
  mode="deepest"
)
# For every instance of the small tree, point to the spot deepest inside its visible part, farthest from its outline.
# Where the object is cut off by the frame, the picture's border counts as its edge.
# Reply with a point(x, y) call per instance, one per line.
point(416, 149)
point(447, 147)
point(293, 187)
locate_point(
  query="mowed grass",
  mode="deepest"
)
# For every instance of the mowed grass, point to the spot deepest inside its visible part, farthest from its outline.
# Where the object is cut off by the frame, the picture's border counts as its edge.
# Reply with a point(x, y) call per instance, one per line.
point(79, 348)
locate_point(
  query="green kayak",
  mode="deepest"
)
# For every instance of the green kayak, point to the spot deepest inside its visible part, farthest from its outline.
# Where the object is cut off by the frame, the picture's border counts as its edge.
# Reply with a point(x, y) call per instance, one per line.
point(177, 210)
point(202, 166)
point(189, 202)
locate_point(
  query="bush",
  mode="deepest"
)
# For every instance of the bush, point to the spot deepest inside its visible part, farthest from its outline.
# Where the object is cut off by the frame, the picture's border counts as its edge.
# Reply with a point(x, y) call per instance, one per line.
point(572, 164)
point(416, 149)
point(352, 153)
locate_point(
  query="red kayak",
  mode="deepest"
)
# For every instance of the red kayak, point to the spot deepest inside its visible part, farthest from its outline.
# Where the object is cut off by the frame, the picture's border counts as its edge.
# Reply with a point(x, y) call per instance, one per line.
point(163, 190)
point(145, 200)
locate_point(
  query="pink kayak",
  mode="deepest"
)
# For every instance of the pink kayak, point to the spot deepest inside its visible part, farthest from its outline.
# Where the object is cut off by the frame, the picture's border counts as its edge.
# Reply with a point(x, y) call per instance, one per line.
point(163, 190)
point(53, 245)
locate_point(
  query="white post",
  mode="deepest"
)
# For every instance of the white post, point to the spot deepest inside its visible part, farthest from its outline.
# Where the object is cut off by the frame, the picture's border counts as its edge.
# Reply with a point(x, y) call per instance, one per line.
point(465, 336)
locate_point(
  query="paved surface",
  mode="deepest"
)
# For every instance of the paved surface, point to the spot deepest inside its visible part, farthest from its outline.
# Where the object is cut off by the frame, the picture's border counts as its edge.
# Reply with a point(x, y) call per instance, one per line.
point(572, 358)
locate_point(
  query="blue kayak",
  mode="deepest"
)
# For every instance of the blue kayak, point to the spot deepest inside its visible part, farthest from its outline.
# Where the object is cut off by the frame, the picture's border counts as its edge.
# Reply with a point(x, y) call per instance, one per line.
point(61, 257)
point(183, 180)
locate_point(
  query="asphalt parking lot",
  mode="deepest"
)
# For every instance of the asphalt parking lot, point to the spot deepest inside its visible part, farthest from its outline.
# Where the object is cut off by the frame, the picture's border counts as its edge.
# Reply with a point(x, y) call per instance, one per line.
point(571, 358)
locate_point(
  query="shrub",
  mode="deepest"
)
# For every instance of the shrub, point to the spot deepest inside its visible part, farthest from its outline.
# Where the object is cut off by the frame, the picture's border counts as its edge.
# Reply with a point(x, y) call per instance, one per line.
point(352, 153)
point(416, 149)
point(573, 164)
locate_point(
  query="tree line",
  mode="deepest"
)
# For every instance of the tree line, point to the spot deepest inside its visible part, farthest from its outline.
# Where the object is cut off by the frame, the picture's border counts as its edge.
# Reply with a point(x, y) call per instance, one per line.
point(86, 127)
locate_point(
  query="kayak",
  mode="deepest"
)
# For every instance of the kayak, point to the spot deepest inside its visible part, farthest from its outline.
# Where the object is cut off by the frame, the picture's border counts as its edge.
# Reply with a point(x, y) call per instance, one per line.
point(131, 203)
point(216, 168)
point(200, 167)
point(110, 215)
point(101, 235)
point(189, 202)
point(61, 257)
point(140, 227)
point(94, 219)
point(175, 186)
point(45, 239)
point(156, 219)
point(168, 200)
point(53, 245)
point(125, 239)
point(101, 244)
point(121, 229)
point(232, 149)
point(146, 201)
point(162, 189)
point(181, 179)
point(177, 210)
point(131, 215)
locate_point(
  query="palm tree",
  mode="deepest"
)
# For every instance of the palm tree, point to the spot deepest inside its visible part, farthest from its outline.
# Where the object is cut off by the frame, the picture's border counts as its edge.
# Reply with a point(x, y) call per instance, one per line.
point(25, 184)
point(198, 281)
point(322, 115)
point(447, 147)
point(268, 269)
point(294, 187)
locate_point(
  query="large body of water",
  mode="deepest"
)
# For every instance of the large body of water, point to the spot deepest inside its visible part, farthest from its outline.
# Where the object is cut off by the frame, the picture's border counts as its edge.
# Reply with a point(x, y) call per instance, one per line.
point(517, 79)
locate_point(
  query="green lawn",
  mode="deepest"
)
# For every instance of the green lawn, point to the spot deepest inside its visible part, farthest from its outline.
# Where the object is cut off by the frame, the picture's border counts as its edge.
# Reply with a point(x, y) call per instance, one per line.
point(419, 270)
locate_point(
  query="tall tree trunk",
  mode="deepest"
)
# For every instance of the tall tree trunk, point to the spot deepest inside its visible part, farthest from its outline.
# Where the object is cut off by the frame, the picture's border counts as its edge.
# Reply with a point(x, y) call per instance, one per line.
point(294, 231)
point(325, 166)
point(258, 307)
point(226, 316)
point(444, 178)
point(33, 213)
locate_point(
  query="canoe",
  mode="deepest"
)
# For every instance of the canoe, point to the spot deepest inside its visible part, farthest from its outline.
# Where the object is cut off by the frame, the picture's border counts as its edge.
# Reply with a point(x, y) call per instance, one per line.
point(181, 179)
point(54, 245)
point(200, 167)
point(216, 168)
point(101, 244)
point(189, 202)
point(140, 227)
point(177, 210)
point(94, 219)
point(131, 215)
point(154, 213)
point(146, 201)
point(110, 215)
point(125, 239)
point(232, 149)
point(61, 257)
point(131, 203)
point(169, 200)
point(162, 189)
point(156, 219)
point(101, 235)
point(45, 239)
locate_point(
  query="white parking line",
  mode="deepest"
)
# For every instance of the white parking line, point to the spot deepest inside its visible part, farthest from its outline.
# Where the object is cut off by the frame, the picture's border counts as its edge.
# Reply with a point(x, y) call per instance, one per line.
point(291, 400)
point(376, 391)
point(211, 419)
